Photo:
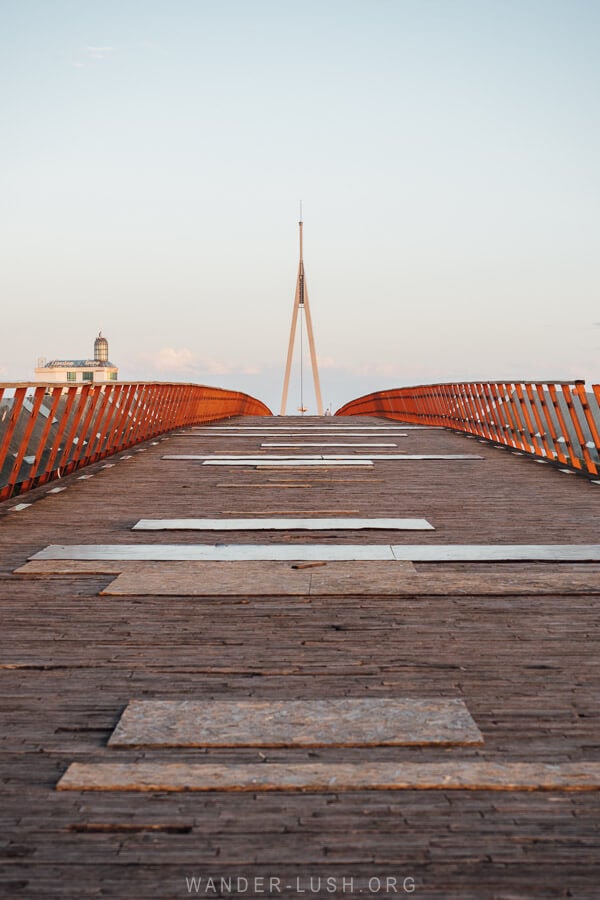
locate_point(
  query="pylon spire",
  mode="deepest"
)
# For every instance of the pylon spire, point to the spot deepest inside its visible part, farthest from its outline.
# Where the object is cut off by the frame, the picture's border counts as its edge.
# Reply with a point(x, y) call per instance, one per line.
point(301, 303)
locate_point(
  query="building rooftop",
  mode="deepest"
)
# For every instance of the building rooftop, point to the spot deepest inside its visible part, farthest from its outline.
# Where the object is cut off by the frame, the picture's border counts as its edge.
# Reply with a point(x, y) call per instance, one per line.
point(79, 364)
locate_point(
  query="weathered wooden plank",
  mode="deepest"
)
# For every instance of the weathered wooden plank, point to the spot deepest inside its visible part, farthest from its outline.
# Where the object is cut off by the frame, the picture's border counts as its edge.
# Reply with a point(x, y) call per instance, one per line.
point(447, 776)
point(347, 722)
point(349, 578)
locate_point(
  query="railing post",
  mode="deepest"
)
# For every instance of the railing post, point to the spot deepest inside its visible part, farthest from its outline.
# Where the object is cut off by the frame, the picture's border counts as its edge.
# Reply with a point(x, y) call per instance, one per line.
point(24, 443)
point(78, 413)
point(83, 437)
point(15, 412)
point(589, 417)
point(514, 411)
point(587, 457)
point(98, 426)
point(121, 426)
point(57, 393)
point(575, 461)
point(541, 427)
point(533, 443)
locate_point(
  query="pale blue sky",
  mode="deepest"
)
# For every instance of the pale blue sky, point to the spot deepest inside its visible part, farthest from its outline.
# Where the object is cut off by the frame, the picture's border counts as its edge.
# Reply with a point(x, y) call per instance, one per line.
point(153, 155)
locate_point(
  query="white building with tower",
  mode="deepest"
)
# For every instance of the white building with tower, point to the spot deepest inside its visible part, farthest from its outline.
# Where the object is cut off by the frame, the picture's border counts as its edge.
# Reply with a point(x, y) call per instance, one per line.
point(98, 369)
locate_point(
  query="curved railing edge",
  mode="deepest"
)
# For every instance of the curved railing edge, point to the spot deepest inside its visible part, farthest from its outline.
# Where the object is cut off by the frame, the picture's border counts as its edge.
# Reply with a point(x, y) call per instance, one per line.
point(48, 430)
point(557, 421)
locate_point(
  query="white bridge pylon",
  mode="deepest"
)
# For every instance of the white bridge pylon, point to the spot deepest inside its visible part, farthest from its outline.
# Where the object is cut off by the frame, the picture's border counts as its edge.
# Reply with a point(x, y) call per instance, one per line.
point(301, 302)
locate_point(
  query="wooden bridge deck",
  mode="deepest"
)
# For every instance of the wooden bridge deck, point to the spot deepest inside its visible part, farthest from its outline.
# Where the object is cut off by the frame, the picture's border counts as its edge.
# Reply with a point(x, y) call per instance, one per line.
point(521, 653)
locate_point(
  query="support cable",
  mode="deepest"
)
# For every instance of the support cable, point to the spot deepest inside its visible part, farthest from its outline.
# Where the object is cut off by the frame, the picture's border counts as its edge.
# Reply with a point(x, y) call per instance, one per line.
point(301, 360)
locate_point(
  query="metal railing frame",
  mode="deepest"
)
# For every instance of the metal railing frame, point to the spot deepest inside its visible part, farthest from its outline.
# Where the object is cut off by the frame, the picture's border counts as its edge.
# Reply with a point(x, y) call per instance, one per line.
point(557, 421)
point(87, 422)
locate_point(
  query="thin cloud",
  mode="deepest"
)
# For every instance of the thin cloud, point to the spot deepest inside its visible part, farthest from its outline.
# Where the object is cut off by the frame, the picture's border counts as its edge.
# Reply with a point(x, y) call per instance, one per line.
point(184, 362)
point(99, 52)
point(92, 55)
point(326, 362)
point(170, 359)
point(388, 370)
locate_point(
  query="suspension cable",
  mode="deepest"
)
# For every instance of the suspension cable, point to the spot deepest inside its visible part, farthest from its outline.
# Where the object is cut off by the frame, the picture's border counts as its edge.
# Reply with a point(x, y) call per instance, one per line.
point(302, 360)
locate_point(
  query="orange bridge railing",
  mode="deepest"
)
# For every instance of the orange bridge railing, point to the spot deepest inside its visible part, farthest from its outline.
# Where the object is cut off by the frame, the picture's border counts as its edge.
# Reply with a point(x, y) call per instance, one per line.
point(557, 421)
point(49, 430)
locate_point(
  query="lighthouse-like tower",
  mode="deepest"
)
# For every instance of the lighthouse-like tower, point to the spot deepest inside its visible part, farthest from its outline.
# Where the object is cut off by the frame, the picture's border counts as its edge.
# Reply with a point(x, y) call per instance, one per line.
point(301, 306)
point(101, 349)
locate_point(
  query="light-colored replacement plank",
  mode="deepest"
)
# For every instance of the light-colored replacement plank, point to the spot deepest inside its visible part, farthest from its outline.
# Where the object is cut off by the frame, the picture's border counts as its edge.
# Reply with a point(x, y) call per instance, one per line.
point(316, 434)
point(326, 444)
point(473, 775)
point(317, 429)
point(281, 524)
point(288, 463)
point(295, 512)
point(308, 426)
point(309, 459)
point(347, 425)
point(296, 434)
point(393, 424)
point(215, 553)
point(498, 552)
point(346, 722)
point(291, 434)
point(249, 457)
point(414, 552)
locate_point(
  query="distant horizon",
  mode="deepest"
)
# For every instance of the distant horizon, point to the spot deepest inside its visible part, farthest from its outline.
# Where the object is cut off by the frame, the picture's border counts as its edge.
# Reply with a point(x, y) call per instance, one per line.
point(270, 382)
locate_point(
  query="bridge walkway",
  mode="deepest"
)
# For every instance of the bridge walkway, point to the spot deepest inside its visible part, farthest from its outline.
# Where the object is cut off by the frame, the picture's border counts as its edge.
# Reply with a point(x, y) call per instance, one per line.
point(515, 640)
